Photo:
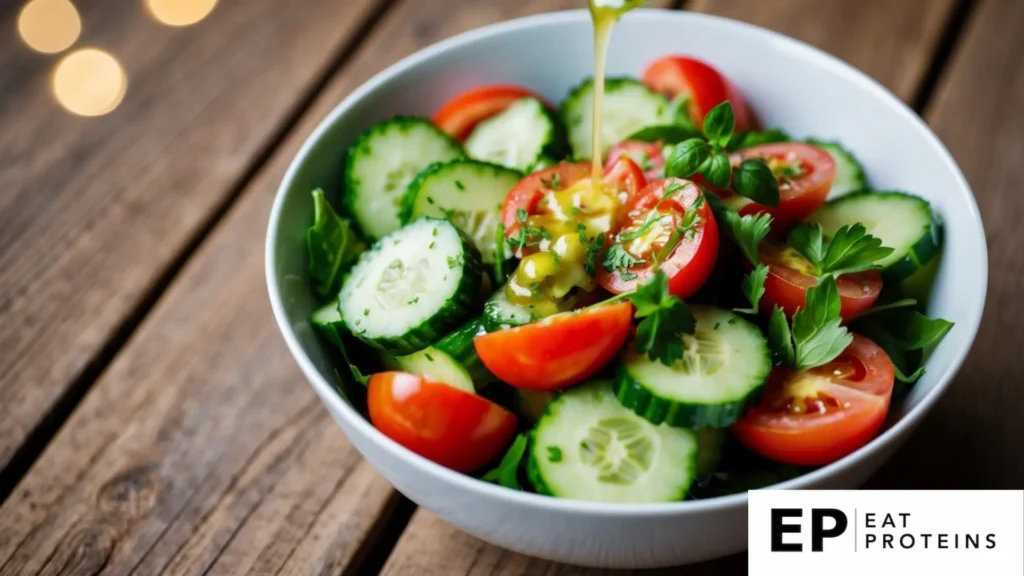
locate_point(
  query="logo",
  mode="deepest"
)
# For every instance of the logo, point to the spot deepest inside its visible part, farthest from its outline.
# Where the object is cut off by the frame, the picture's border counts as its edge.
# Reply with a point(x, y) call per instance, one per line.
point(885, 532)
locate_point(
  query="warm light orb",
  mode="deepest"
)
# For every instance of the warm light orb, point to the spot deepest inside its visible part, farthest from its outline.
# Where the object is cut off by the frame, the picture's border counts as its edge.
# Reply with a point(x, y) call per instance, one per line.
point(180, 12)
point(49, 26)
point(89, 82)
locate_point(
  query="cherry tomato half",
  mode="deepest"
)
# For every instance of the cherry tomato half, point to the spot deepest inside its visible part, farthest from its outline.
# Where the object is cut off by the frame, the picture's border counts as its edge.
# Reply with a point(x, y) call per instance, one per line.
point(442, 423)
point(804, 173)
point(461, 114)
point(559, 350)
point(790, 276)
point(706, 87)
point(817, 416)
point(652, 220)
point(647, 155)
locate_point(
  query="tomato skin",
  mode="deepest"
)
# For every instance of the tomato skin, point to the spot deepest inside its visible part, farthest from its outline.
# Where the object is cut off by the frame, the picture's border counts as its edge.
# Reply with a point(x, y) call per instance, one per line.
point(787, 287)
point(558, 351)
point(451, 427)
point(674, 75)
point(691, 263)
point(861, 400)
point(458, 116)
point(635, 150)
point(797, 199)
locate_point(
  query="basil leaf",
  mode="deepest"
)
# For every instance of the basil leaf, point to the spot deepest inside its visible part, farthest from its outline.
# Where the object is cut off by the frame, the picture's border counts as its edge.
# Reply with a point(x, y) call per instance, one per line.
point(752, 138)
point(719, 124)
point(818, 335)
point(333, 246)
point(687, 158)
point(667, 134)
point(754, 179)
point(718, 171)
point(753, 287)
point(808, 239)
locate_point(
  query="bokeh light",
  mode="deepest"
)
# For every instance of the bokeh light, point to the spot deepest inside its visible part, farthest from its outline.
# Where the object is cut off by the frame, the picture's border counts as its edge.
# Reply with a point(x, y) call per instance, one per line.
point(89, 82)
point(49, 26)
point(180, 12)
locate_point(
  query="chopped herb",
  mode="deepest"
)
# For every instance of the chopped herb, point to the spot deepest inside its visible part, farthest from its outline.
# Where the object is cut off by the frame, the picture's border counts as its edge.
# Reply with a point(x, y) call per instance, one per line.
point(652, 217)
point(430, 200)
point(789, 171)
point(366, 311)
point(554, 182)
point(685, 229)
point(645, 161)
point(459, 185)
point(594, 246)
point(671, 189)
point(454, 261)
point(554, 454)
point(617, 259)
point(665, 318)
point(522, 215)
point(628, 276)
point(413, 301)
point(431, 245)
point(429, 357)
point(433, 232)
point(717, 324)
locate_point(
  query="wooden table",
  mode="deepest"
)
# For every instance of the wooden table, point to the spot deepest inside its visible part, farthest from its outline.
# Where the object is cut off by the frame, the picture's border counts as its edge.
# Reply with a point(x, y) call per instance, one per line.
point(151, 420)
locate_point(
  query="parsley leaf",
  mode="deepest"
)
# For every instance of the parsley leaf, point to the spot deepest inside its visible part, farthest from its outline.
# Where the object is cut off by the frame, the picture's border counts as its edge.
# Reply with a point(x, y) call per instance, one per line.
point(851, 248)
point(618, 259)
point(665, 319)
point(818, 336)
point(593, 251)
point(905, 335)
point(553, 182)
point(746, 231)
point(753, 287)
point(507, 472)
point(780, 339)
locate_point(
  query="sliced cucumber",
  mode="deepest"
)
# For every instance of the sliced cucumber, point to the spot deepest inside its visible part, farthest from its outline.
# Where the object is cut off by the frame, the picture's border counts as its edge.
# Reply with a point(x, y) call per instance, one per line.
point(849, 172)
point(724, 367)
point(470, 193)
point(452, 359)
point(518, 137)
point(437, 365)
point(587, 446)
point(381, 164)
point(500, 314)
point(902, 221)
point(412, 286)
point(327, 321)
point(629, 106)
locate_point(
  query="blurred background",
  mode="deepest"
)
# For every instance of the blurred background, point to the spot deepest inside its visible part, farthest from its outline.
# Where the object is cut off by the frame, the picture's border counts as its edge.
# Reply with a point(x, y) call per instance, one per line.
point(150, 417)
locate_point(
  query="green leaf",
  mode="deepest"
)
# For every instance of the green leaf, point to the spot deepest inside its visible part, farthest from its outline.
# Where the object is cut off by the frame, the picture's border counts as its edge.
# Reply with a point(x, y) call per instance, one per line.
point(719, 124)
point(818, 336)
point(754, 179)
point(665, 319)
point(746, 231)
point(666, 134)
point(507, 472)
point(808, 239)
point(687, 157)
point(780, 339)
point(617, 259)
point(901, 303)
point(753, 138)
point(333, 246)
point(593, 251)
point(753, 287)
point(717, 171)
point(851, 249)
point(679, 108)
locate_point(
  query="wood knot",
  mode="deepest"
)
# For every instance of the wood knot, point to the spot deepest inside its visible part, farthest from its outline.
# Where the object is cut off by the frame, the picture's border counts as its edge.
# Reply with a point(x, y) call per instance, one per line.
point(131, 493)
point(83, 551)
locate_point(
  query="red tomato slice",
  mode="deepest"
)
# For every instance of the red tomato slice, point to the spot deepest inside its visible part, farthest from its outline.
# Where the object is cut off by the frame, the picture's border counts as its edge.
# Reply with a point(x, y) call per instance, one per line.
point(689, 264)
point(678, 75)
point(646, 155)
point(461, 114)
point(805, 175)
point(790, 276)
point(817, 416)
point(558, 351)
point(452, 427)
point(623, 177)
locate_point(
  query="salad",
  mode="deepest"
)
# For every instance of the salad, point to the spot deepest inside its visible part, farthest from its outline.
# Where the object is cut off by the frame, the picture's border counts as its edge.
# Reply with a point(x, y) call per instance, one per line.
point(652, 301)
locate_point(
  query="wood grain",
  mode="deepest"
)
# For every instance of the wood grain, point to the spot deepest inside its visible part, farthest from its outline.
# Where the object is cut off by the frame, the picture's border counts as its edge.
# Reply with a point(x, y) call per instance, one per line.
point(202, 449)
point(972, 437)
point(94, 210)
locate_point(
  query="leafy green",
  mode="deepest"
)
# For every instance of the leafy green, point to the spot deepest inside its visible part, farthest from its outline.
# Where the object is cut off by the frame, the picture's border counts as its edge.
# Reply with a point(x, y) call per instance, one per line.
point(665, 319)
point(754, 179)
point(816, 335)
point(686, 224)
point(507, 472)
point(593, 250)
point(687, 158)
point(901, 303)
point(746, 231)
point(753, 287)
point(718, 171)
point(666, 134)
point(719, 123)
point(333, 246)
point(850, 249)
point(906, 336)
point(753, 138)
point(618, 259)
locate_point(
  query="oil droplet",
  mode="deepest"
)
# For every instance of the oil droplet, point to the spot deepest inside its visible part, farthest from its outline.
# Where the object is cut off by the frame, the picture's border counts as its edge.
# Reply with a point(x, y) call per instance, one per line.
point(89, 82)
point(180, 12)
point(49, 26)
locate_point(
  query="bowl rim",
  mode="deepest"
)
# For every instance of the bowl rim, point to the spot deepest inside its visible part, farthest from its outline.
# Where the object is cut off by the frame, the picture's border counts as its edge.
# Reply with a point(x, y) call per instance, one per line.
point(484, 489)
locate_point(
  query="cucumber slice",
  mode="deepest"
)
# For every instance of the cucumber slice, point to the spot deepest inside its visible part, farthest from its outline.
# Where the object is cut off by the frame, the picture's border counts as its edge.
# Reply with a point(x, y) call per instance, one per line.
point(587, 446)
point(629, 106)
point(436, 365)
point(327, 321)
point(725, 365)
point(381, 164)
point(902, 221)
point(412, 286)
point(849, 172)
point(470, 193)
point(452, 359)
point(500, 314)
point(518, 137)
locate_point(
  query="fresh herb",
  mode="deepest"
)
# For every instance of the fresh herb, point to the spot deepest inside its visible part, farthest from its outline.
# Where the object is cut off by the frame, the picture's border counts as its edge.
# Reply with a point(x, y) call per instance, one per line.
point(906, 336)
point(816, 336)
point(665, 318)
point(507, 472)
point(685, 228)
point(366, 311)
point(522, 215)
point(448, 214)
point(428, 357)
point(645, 161)
point(554, 454)
point(789, 171)
point(454, 261)
point(333, 246)
point(527, 236)
point(431, 245)
point(430, 200)
point(754, 179)
point(554, 182)
point(652, 217)
point(718, 171)
point(670, 189)
point(901, 303)
point(413, 301)
point(746, 231)
point(753, 287)
point(593, 252)
point(687, 158)
point(433, 232)
point(618, 259)
point(719, 123)
point(460, 185)
point(851, 248)
point(752, 138)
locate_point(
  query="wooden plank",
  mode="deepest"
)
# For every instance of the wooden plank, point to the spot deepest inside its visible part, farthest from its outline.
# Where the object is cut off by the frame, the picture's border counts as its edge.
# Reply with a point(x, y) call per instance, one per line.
point(94, 210)
point(201, 448)
point(891, 41)
point(431, 547)
point(972, 438)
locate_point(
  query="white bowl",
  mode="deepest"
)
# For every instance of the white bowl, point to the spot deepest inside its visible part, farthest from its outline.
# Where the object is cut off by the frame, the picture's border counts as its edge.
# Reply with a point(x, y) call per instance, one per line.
point(790, 85)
